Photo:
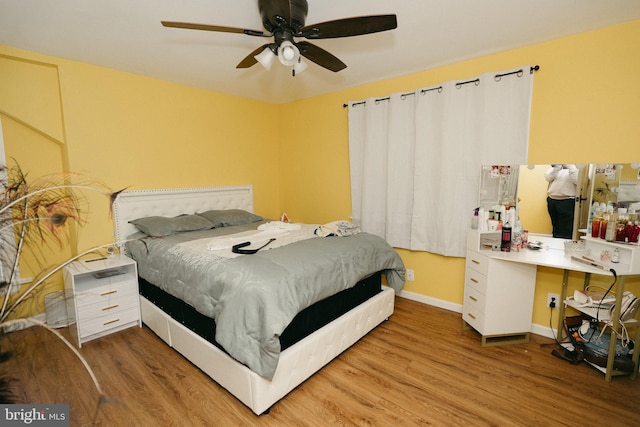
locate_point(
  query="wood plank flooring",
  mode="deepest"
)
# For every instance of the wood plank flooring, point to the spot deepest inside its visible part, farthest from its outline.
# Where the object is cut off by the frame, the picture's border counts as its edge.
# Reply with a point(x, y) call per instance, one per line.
point(418, 368)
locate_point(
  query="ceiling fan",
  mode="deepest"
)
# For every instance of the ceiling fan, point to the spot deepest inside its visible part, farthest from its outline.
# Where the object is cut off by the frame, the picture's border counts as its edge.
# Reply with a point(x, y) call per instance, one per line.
point(284, 20)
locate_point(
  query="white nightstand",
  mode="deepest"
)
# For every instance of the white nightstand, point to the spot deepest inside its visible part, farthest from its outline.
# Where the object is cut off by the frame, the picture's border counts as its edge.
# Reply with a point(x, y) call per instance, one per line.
point(102, 296)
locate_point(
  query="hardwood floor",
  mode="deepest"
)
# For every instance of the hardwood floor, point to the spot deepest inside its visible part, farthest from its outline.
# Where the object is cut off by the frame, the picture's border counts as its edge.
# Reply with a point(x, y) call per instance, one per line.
point(418, 368)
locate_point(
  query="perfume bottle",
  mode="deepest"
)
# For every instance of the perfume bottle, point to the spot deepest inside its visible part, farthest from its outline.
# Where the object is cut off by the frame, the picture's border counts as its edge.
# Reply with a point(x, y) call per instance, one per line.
point(632, 231)
point(595, 226)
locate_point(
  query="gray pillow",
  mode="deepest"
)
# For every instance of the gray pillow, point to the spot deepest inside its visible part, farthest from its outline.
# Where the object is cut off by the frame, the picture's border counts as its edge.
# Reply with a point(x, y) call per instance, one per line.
point(229, 217)
point(157, 226)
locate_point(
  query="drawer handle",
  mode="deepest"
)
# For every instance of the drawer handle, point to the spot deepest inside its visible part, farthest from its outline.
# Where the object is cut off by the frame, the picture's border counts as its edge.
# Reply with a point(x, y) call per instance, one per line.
point(475, 261)
point(474, 280)
point(472, 298)
point(472, 316)
point(110, 307)
point(111, 321)
point(108, 293)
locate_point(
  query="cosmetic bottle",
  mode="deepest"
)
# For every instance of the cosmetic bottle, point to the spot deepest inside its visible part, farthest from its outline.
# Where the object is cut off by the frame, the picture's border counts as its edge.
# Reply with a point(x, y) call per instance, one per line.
point(632, 231)
point(621, 225)
point(595, 226)
point(603, 225)
point(610, 235)
point(505, 244)
point(616, 256)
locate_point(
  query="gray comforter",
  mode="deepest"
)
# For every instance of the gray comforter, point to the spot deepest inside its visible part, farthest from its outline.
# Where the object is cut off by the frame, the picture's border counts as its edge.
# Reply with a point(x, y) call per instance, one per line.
point(254, 297)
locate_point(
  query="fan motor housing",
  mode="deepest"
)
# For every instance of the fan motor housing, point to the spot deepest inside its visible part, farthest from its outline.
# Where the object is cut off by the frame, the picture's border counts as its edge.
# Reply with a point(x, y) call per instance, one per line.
point(273, 16)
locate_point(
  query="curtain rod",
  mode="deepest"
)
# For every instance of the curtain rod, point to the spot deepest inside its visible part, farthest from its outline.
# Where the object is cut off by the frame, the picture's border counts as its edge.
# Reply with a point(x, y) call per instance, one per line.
point(497, 78)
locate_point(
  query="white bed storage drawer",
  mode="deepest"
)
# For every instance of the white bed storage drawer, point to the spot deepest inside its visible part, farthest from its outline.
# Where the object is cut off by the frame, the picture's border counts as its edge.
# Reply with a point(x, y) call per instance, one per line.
point(102, 296)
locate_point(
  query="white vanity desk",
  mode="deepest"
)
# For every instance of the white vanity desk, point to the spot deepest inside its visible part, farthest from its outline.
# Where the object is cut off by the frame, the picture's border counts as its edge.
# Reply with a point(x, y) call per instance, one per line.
point(499, 286)
point(551, 254)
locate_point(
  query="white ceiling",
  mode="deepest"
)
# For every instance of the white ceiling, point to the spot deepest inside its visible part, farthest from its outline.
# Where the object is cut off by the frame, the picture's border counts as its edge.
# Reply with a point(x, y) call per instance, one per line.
point(127, 35)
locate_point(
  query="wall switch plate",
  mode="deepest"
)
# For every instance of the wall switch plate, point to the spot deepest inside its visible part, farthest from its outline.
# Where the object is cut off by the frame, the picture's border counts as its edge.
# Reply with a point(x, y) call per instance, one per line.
point(409, 275)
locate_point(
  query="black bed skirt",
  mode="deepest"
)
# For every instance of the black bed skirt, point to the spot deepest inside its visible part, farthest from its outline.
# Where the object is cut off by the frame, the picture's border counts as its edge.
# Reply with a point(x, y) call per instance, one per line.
point(305, 323)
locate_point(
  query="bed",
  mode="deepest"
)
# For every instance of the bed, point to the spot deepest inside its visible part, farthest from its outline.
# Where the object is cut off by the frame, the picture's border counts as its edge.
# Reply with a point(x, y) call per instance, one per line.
point(185, 328)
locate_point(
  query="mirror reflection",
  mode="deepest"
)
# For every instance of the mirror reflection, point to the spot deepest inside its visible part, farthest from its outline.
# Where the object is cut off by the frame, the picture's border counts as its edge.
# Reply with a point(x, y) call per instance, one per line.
point(540, 197)
point(613, 185)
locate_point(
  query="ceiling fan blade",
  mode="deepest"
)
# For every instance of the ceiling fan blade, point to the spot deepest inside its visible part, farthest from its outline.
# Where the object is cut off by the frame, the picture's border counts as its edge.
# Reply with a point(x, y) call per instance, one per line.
point(348, 27)
point(190, 26)
point(250, 59)
point(320, 56)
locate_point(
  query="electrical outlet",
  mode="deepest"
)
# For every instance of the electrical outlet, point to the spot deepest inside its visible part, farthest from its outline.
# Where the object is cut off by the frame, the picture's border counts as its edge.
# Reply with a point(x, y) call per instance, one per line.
point(409, 275)
point(555, 298)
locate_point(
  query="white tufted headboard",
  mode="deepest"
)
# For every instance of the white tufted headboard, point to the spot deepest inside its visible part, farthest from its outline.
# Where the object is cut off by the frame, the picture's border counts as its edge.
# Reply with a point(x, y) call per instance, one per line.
point(171, 202)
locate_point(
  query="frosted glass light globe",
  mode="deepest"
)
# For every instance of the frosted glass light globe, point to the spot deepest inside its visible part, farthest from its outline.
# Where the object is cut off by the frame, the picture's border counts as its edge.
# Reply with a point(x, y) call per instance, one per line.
point(288, 53)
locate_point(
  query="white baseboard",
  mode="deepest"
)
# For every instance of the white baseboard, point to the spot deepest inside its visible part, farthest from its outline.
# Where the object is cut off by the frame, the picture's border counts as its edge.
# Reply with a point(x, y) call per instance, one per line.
point(457, 308)
point(542, 330)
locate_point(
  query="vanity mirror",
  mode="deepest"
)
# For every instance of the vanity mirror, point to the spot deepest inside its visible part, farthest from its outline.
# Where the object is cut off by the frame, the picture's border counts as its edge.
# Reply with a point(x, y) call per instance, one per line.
point(526, 186)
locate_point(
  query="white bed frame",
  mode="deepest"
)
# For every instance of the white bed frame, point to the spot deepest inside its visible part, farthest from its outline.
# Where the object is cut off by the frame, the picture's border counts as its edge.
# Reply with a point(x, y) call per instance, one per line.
point(296, 363)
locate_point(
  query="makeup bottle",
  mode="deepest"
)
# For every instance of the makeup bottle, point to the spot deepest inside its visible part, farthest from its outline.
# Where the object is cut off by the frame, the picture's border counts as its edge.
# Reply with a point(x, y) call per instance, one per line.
point(505, 244)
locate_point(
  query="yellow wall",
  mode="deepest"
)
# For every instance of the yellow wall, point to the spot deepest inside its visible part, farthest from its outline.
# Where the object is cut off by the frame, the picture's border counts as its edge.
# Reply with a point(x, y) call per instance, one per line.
point(134, 132)
point(140, 132)
point(629, 173)
point(29, 92)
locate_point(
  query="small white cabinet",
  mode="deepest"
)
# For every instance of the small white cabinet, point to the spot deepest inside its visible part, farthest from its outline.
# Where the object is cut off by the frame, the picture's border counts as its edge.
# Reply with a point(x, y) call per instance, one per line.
point(498, 294)
point(102, 296)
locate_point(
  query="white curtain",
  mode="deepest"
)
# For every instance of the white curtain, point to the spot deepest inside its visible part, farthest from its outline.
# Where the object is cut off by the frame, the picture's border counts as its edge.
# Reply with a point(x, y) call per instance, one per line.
point(416, 157)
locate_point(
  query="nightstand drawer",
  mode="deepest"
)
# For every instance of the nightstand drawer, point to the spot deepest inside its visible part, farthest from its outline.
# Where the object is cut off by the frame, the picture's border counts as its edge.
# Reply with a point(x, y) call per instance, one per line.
point(103, 293)
point(105, 306)
point(106, 321)
point(477, 262)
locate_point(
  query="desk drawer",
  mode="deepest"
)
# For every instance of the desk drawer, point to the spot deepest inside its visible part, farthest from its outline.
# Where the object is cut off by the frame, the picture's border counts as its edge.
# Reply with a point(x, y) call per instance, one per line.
point(475, 280)
point(474, 300)
point(477, 262)
point(473, 318)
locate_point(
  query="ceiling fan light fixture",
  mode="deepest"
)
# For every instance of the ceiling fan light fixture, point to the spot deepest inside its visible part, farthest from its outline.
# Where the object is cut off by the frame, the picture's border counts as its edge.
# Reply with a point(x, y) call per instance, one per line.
point(288, 53)
point(265, 58)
